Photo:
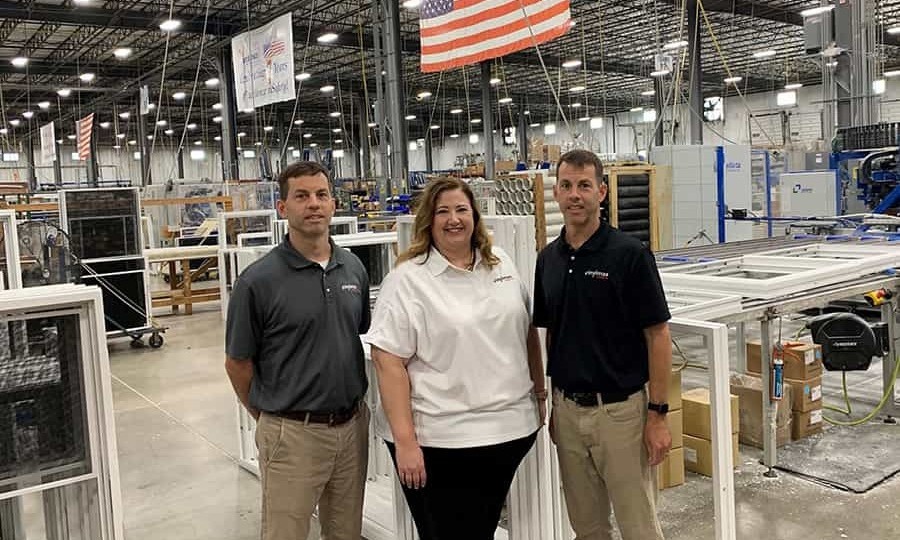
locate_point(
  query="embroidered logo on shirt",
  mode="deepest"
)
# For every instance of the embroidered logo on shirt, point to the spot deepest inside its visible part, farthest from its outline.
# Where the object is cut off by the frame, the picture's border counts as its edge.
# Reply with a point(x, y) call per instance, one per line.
point(501, 279)
point(350, 288)
point(596, 274)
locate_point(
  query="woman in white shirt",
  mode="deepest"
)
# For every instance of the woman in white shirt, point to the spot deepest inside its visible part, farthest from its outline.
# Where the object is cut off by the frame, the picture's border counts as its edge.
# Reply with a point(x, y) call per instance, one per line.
point(459, 369)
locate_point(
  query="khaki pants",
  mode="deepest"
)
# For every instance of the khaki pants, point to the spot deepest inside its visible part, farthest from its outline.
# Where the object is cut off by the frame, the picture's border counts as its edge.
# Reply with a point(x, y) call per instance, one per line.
point(303, 465)
point(604, 465)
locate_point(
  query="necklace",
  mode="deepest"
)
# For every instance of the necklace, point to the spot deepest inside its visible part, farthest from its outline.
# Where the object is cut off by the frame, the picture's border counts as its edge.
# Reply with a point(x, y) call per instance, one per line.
point(469, 267)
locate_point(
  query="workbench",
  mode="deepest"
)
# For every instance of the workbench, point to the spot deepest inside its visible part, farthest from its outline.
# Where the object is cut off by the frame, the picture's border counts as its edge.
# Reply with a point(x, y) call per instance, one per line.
point(181, 291)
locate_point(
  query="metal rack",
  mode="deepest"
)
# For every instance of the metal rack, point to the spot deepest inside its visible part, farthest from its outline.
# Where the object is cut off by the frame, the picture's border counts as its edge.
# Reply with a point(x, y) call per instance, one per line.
point(104, 230)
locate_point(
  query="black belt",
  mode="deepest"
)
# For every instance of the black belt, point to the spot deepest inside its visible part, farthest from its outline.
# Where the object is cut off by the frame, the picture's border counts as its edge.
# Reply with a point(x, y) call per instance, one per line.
point(337, 418)
point(593, 399)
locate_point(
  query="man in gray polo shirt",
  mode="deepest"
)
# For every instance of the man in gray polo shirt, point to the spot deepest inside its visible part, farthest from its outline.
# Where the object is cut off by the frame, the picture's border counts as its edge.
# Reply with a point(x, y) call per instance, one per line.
point(295, 360)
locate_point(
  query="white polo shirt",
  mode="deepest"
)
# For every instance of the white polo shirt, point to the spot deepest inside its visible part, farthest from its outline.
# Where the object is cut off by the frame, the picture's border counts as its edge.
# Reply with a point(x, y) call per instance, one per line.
point(464, 335)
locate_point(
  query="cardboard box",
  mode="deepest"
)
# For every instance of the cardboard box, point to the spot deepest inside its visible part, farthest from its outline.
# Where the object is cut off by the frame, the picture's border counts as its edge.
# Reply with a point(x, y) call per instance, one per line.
point(808, 423)
point(675, 391)
point(675, 419)
point(670, 472)
point(802, 361)
point(551, 152)
point(697, 421)
point(698, 454)
point(807, 395)
point(504, 165)
point(749, 389)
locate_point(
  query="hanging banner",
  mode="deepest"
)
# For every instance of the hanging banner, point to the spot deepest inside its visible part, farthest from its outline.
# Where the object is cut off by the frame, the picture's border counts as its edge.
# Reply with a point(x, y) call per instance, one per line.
point(263, 61)
point(48, 143)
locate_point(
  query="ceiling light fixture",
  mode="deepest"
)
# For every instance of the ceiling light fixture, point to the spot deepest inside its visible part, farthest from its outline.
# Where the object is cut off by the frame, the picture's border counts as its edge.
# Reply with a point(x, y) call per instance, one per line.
point(412, 4)
point(504, 100)
point(19, 61)
point(891, 73)
point(435, 127)
point(410, 117)
point(336, 130)
point(64, 92)
point(648, 93)
point(456, 111)
point(338, 141)
point(680, 44)
point(575, 105)
point(242, 134)
point(454, 135)
point(87, 77)
point(298, 122)
point(569, 64)
point(307, 135)
point(120, 135)
point(584, 119)
point(327, 37)
point(268, 128)
point(170, 25)
point(816, 10)
point(44, 105)
point(191, 126)
point(334, 114)
point(217, 138)
point(302, 76)
point(535, 124)
point(211, 83)
point(576, 89)
point(70, 137)
point(122, 53)
point(198, 143)
point(636, 109)
point(796, 86)
point(660, 73)
point(124, 115)
point(494, 81)
point(169, 132)
point(372, 124)
point(15, 122)
point(161, 122)
point(732, 80)
point(423, 94)
point(217, 119)
point(475, 121)
point(765, 54)
point(217, 106)
point(327, 88)
point(27, 115)
point(894, 30)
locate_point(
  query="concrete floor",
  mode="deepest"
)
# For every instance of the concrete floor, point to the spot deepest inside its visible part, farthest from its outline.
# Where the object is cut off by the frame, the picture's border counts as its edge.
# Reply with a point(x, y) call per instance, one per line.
point(180, 480)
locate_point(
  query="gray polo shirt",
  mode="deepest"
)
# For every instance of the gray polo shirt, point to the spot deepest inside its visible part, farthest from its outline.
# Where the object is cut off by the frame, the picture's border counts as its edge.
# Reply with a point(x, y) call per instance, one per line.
point(300, 326)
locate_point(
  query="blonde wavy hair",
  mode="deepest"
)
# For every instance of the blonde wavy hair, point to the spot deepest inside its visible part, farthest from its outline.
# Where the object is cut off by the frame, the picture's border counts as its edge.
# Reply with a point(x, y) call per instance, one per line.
point(422, 239)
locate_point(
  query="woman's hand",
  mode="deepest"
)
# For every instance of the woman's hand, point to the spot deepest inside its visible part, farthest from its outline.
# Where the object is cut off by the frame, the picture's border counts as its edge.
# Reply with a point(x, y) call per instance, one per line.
point(411, 465)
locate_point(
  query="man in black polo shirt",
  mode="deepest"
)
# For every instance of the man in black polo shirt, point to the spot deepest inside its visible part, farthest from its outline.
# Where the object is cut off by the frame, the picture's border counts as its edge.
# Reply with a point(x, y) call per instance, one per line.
point(296, 362)
point(598, 293)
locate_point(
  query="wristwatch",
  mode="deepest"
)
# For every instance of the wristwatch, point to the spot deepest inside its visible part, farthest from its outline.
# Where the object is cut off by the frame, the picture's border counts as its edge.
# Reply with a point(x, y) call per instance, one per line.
point(661, 408)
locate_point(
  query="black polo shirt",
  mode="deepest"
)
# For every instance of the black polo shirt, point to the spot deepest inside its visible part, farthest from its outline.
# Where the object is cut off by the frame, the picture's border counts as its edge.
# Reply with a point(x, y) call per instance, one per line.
point(300, 326)
point(595, 302)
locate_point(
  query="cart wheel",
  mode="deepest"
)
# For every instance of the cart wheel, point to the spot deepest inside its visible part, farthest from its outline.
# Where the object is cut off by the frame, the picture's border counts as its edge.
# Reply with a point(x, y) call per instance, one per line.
point(156, 341)
point(137, 343)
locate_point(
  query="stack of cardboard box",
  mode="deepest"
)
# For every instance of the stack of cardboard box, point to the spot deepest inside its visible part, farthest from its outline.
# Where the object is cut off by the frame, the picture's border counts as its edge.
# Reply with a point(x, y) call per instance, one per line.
point(698, 446)
point(803, 375)
point(670, 472)
point(749, 389)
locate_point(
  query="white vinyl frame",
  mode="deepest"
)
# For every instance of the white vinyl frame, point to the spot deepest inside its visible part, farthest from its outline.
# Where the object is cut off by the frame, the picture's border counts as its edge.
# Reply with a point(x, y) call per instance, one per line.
point(797, 273)
point(87, 303)
point(226, 278)
point(12, 277)
point(701, 305)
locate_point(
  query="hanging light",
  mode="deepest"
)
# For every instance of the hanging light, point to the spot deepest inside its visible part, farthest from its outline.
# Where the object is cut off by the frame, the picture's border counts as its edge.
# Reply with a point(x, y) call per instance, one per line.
point(44, 105)
point(569, 64)
point(178, 96)
point(170, 25)
point(211, 83)
point(122, 53)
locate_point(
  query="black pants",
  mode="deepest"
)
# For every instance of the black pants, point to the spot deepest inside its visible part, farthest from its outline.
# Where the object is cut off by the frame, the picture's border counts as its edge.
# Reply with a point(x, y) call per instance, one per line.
point(464, 490)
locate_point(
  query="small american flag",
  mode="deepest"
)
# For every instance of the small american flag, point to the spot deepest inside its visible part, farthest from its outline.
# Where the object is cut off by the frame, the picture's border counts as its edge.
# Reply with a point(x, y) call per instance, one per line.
point(273, 49)
point(456, 33)
point(85, 128)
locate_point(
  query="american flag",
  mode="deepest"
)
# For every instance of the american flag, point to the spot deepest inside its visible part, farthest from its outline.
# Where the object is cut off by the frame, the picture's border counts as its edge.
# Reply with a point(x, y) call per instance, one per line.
point(85, 128)
point(273, 49)
point(455, 33)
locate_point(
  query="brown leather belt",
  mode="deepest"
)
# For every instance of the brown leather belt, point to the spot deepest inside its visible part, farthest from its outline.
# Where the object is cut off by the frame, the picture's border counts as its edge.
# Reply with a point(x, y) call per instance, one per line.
point(336, 418)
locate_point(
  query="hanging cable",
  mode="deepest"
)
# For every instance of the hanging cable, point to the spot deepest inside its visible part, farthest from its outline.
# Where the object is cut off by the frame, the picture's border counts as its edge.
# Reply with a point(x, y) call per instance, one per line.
point(162, 81)
point(287, 138)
